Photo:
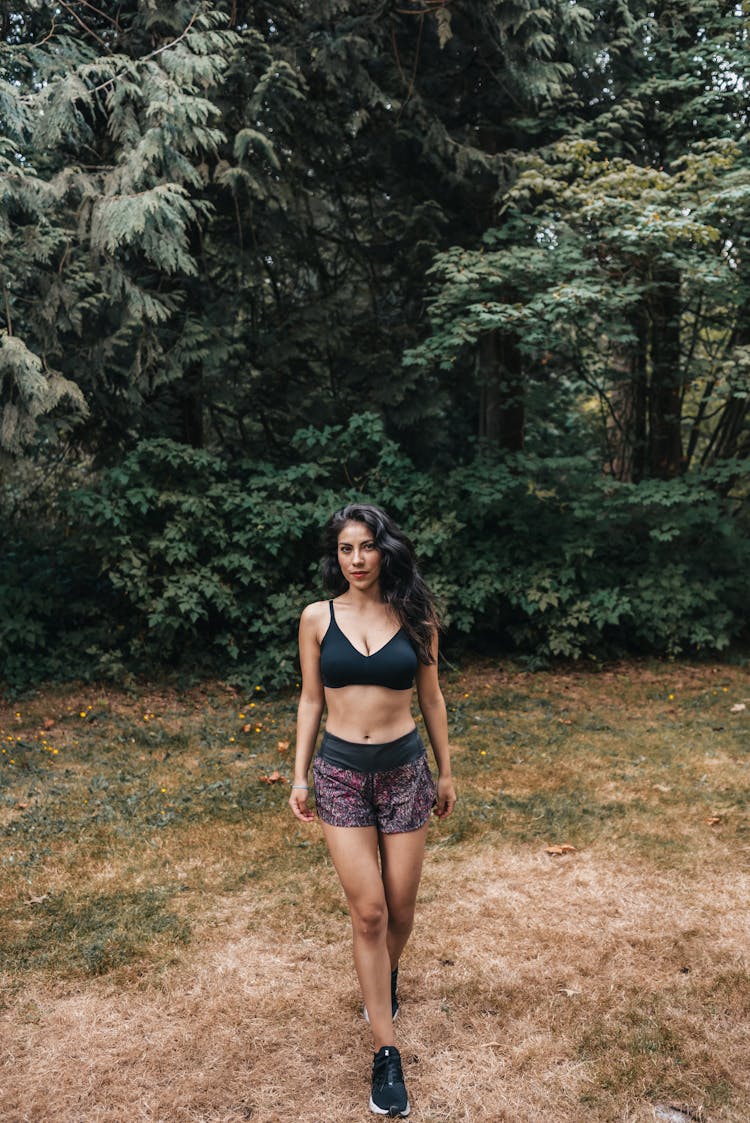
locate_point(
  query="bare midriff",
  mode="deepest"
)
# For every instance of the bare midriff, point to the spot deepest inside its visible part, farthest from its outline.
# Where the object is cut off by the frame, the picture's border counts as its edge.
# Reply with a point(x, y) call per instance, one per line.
point(369, 715)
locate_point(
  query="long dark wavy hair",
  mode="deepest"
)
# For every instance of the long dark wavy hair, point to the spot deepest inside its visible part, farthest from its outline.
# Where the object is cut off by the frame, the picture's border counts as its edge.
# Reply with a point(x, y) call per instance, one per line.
point(401, 583)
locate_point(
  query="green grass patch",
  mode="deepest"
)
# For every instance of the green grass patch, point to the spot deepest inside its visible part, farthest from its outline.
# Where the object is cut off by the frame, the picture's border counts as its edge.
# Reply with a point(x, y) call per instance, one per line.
point(132, 793)
point(91, 933)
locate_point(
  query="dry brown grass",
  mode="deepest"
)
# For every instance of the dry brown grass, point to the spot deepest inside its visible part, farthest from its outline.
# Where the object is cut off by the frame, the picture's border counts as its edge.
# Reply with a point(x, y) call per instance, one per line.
point(591, 987)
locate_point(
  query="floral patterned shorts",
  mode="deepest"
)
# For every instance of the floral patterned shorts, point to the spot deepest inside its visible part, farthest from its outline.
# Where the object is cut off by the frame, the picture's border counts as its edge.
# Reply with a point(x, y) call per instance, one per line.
point(393, 799)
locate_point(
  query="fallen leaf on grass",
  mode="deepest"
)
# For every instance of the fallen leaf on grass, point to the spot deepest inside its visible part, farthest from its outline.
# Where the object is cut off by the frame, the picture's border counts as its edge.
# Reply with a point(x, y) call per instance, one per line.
point(661, 787)
point(556, 851)
point(48, 723)
point(564, 721)
point(37, 900)
point(282, 746)
point(712, 820)
point(274, 778)
point(737, 708)
point(246, 728)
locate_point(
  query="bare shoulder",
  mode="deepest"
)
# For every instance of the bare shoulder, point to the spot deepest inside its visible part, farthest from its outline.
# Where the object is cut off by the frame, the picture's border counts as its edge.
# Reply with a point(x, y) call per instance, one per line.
point(315, 610)
point(314, 616)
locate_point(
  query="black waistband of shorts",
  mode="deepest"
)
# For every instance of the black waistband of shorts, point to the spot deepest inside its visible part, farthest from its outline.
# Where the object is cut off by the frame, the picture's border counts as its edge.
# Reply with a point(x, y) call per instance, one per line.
point(369, 757)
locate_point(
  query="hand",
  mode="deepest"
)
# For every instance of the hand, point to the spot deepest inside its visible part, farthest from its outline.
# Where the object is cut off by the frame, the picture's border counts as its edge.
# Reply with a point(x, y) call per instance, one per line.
point(298, 803)
point(446, 797)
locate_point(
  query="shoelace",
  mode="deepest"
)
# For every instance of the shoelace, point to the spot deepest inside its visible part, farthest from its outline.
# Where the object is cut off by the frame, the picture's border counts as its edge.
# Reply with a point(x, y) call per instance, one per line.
point(388, 1069)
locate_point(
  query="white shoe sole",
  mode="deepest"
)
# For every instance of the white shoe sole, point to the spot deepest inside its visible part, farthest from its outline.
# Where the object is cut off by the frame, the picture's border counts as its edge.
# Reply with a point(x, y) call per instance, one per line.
point(381, 1111)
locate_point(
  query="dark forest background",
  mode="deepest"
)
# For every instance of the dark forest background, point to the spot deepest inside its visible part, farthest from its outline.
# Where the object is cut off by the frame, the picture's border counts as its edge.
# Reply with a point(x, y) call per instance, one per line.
point(484, 262)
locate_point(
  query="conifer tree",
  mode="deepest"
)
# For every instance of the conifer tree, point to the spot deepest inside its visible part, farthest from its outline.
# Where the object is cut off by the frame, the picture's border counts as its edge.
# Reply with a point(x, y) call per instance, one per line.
point(108, 128)
point(240, 203)
point(218, 221)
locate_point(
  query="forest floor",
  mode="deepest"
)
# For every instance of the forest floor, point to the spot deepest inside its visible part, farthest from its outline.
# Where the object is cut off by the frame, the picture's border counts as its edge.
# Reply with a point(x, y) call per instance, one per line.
point(174, 946)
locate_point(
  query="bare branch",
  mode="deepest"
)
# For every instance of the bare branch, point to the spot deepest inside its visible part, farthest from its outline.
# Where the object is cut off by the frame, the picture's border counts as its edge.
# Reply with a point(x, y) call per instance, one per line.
point(8, 319)
point(89, 30)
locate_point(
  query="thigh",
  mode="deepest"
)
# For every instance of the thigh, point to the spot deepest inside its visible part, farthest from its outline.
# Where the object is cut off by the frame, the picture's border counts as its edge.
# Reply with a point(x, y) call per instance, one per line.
point(354, 853)
point(401, 858)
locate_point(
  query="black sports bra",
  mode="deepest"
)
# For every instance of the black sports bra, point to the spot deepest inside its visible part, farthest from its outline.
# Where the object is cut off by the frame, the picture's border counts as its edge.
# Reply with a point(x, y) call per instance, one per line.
point(394, 665)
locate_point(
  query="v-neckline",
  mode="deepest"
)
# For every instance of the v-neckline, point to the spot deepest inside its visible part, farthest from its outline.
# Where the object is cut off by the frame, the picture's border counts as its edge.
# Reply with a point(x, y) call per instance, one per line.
point(361, 653)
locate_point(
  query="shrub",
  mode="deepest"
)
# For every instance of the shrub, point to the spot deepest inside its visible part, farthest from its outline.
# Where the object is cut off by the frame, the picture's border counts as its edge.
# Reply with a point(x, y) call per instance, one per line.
point(177, 557)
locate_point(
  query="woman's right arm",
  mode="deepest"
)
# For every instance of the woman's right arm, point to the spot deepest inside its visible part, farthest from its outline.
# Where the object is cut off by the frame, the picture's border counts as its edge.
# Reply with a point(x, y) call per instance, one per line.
point(309, 710)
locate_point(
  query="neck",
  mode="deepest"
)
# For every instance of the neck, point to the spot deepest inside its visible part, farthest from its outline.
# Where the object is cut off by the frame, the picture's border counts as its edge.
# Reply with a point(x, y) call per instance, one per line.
point(364, 598)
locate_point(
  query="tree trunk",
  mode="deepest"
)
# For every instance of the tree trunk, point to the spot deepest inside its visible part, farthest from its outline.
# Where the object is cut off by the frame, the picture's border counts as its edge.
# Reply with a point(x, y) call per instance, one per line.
point(502, 410)
point(731, 425)
point(628, 433)
point(726, 439)
point(190, 404)
point(665, 459)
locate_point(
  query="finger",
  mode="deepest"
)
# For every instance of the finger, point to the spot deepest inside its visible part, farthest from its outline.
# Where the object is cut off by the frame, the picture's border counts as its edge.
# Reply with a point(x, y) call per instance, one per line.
point(298, 805)
point(444, 808)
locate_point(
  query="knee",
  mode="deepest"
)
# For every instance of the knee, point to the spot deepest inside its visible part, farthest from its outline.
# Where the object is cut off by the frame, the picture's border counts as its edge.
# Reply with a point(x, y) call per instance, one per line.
point(401, 921)
point(369, 921)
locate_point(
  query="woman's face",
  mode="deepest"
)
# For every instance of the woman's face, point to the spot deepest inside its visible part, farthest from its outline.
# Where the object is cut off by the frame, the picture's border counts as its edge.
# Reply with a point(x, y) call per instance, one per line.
point(358, 555)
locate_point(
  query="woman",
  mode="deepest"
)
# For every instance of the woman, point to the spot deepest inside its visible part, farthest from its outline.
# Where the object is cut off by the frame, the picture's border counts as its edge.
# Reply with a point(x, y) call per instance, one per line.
point(361, 654)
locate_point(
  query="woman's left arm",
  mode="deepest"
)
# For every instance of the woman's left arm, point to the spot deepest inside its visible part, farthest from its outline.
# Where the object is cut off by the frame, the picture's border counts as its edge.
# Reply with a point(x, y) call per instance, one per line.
point(432, 705)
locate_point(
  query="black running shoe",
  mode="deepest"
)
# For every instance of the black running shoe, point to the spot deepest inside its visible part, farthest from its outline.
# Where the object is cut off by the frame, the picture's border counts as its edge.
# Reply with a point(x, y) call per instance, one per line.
point(394, 998)
point(388, 1089)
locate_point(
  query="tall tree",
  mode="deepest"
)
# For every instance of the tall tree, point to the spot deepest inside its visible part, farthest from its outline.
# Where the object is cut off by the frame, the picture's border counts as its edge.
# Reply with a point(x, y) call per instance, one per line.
point(103, 172)
point(614, 257)
point(241, 202)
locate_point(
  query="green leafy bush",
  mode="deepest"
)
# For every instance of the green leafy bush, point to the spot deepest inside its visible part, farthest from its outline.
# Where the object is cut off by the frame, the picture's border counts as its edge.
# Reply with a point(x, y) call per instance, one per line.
point(179, 558)
point(568, 565)
point(53, 608)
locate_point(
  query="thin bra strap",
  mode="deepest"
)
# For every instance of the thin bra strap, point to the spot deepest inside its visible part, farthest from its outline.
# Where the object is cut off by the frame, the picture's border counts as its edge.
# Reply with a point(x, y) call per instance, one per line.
point(333, 618)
